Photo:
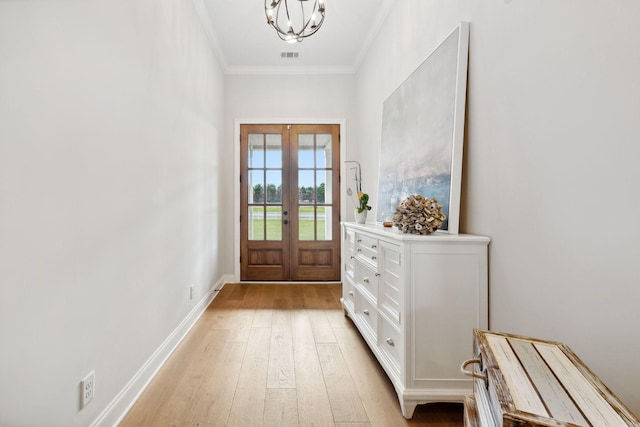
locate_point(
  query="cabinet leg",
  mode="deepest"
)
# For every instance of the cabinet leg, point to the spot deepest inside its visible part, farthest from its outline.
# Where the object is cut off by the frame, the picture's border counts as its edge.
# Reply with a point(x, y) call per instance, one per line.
point(408, 407)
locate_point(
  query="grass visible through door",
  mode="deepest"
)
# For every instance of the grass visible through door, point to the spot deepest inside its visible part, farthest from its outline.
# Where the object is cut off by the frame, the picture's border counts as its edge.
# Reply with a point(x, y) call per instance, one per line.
point(305, 224)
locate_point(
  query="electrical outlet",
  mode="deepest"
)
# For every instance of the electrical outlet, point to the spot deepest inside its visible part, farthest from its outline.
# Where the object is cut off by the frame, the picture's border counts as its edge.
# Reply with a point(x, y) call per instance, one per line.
point(191, 289)
point(87, 389)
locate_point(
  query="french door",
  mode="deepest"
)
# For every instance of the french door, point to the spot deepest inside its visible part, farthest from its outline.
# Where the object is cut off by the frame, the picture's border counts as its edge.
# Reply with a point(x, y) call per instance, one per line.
point(290, 204)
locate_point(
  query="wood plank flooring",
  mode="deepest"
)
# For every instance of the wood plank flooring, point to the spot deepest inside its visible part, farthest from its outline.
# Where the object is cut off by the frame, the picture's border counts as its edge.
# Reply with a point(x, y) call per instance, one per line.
point(277, 355)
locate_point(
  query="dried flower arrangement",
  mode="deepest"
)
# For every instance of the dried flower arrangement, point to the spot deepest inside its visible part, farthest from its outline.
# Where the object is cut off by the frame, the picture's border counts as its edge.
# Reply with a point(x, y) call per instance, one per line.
point(418, 215)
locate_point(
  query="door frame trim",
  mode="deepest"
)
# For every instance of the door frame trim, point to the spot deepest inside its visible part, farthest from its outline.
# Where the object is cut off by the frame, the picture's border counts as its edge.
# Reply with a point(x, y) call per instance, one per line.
point(236, 172)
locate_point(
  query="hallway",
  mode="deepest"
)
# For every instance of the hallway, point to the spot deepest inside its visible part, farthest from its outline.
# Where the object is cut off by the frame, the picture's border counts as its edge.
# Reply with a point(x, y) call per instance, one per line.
point(277, 355)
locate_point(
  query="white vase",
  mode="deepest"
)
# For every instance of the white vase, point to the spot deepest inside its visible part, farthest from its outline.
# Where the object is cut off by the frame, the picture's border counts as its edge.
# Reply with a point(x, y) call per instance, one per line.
point(361, 217)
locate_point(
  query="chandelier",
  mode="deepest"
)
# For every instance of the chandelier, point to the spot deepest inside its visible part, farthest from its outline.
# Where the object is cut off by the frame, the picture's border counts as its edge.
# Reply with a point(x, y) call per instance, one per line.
point(292, 24)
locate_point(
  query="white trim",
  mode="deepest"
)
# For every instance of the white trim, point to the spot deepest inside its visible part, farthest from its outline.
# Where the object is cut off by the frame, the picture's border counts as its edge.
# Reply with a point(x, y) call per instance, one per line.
point(236, 172)
point(374, 30)
point(122, 403)
point(290, 70)
point(207, 26)
point(205, 19)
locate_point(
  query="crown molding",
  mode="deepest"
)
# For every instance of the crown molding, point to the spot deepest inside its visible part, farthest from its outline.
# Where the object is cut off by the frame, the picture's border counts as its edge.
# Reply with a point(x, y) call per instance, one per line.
point(207, 26)
point(381, 16)
point(288, 70)
point(203, 14)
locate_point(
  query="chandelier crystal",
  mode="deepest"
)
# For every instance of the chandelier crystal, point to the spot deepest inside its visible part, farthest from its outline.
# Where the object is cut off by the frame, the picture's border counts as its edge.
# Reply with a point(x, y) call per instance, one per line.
point(293, 23)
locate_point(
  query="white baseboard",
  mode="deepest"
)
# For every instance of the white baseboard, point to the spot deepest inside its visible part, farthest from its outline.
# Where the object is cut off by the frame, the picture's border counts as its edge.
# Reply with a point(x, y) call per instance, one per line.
point(120, 405)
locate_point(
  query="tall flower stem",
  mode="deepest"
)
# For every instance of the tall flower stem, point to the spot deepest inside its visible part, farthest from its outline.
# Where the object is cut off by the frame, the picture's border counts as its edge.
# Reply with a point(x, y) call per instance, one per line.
point(358, 176)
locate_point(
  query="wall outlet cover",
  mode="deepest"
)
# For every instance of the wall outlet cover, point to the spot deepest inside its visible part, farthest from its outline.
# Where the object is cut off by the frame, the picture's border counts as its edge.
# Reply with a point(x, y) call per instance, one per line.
point(87, 389)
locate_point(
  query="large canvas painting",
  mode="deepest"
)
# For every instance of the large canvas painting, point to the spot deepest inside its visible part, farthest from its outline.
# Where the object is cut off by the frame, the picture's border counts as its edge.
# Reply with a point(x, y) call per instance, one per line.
point(422, 132)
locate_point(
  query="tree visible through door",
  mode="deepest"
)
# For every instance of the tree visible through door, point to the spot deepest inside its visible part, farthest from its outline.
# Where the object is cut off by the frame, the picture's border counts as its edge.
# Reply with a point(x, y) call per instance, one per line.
point(290, 202)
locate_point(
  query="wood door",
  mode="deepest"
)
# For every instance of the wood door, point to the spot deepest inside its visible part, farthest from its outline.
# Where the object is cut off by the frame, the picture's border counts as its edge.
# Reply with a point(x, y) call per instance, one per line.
point(290, 202)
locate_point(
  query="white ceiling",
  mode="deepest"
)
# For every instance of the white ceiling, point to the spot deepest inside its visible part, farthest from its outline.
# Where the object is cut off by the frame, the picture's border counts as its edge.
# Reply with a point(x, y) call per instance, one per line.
point(244, 42)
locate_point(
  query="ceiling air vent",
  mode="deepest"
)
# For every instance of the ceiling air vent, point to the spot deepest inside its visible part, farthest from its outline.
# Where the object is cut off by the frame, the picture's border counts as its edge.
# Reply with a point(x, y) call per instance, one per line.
point(289, 55)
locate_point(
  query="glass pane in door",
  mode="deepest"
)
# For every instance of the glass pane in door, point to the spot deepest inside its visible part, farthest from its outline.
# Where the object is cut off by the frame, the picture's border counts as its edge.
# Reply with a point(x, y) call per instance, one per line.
point(306, 221)
point(305, 151)
point(323, 223)
point(274, 187)
point(323, 150)
point(274, 223)
point(255, 154)
point(323, 197)
point(256, 222)
point(322, 185)
point(306, 186)
point(274, 151)
point(256, 186)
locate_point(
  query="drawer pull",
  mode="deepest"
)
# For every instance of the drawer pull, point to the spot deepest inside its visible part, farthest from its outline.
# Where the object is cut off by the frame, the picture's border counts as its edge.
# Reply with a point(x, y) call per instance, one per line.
point(359, 240)
point(374, 258)
point(373, 246)
point(377, 274)
point(365, 280)
point(366, 312)
point(390, 342)
point(352, 257)
point(470, 373)
point(350, 293)
point(359, 250)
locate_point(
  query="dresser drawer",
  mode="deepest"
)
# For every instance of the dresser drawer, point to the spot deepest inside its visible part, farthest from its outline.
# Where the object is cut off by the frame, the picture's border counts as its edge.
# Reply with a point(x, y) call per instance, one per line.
point(350, 268)
point(367, 278)
point(391, 342)
point(367, 312)
point(350, 240)
point(350, 252)
point(348, 293)
point(389, 281)
point(367, 248)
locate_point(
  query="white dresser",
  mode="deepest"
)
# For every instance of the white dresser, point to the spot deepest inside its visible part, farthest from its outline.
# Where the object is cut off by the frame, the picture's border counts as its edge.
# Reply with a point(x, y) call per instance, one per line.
point(416, 301)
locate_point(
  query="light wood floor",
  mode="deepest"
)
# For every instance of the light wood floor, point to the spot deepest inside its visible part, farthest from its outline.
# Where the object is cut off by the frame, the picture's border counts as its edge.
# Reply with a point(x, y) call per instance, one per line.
point(277, 355)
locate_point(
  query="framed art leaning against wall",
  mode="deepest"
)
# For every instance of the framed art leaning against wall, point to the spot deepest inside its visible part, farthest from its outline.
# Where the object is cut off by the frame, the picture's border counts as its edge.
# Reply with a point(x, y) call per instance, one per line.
point(423, 132)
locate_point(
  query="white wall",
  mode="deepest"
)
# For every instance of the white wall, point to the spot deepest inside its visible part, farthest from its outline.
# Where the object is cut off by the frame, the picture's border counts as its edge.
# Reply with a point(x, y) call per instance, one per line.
point(550, 171)
point(111, 115)
point(115, 166)
point(288, 96)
